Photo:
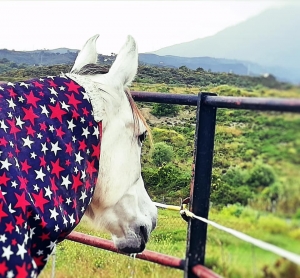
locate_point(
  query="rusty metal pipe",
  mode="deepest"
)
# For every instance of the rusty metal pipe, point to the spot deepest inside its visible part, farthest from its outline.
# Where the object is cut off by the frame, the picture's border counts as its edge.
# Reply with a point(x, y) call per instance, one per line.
point(249, 103)
point(147, 255)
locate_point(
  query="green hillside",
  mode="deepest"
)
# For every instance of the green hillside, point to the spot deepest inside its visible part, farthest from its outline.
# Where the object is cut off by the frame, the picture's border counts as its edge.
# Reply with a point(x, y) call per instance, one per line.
point(257, 154)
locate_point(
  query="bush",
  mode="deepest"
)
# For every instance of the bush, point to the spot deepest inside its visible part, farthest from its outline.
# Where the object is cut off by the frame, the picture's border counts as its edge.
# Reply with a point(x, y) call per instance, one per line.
point(261, 175)
point(163, 109)
point(235, 177)
point(162, 154)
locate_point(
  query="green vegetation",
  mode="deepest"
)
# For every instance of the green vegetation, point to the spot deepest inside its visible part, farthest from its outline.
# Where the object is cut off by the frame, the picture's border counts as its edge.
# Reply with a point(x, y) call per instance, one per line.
point(226, 255)
point(255, 179)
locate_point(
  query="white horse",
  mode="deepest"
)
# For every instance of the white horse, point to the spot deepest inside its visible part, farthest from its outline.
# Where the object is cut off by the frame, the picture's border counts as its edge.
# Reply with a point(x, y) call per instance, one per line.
point(52, 170)
point(120, 202)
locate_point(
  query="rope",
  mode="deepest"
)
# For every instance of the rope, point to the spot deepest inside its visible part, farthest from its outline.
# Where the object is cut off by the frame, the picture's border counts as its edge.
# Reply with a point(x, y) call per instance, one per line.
point(261, 244)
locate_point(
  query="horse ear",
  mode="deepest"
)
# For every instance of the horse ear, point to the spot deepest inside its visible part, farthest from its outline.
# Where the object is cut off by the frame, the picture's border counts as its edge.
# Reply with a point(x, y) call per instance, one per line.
point(87, 55)
point(125, 66)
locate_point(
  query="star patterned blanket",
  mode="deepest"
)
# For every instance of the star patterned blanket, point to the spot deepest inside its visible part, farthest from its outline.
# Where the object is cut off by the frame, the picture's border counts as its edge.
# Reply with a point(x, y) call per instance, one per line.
point(49, 162)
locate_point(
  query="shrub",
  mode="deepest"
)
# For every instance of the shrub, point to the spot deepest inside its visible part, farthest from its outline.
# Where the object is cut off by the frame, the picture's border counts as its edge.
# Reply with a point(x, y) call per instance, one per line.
point(163, 109)
point(261, 175)
point(162, 153)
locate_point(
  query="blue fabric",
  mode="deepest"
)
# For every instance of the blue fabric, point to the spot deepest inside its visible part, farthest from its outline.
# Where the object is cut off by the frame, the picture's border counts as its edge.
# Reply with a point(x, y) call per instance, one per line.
point(49, 162)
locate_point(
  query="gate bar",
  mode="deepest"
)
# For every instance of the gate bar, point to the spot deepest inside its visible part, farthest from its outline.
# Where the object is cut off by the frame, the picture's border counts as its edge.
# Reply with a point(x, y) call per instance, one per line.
point(201, 183)
point(256, 103)
point(147, 255)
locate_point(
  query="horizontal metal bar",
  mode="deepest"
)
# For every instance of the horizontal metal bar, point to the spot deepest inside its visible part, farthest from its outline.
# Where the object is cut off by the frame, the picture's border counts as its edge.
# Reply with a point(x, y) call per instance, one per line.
point(250, 103)
point(255, 103)
point(165, 98)
point(147, 255)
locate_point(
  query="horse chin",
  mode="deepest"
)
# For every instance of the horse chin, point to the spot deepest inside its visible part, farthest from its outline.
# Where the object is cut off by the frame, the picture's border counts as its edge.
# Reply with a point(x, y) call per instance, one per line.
point(133, 242)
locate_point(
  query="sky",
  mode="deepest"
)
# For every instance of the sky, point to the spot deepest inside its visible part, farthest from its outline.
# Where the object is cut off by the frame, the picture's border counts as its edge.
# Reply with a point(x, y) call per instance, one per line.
point(30, 25)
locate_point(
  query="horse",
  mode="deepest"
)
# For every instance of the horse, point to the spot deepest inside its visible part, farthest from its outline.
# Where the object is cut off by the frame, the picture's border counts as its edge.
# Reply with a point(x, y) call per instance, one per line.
point(70, 146)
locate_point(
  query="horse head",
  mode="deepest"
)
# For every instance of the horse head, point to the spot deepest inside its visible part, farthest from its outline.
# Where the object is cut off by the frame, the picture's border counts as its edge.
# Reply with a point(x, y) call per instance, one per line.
point(120, 203)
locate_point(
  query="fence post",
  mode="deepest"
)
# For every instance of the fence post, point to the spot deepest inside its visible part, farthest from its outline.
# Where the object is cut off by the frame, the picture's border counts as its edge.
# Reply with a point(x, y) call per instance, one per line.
point(200, 186)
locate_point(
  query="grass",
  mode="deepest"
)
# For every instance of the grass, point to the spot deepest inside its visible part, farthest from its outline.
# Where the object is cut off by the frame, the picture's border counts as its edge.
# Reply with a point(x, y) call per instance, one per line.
point(225, 254)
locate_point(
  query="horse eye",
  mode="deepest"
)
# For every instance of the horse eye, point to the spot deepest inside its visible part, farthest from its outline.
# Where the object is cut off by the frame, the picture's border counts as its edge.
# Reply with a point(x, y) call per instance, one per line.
point(142, 137)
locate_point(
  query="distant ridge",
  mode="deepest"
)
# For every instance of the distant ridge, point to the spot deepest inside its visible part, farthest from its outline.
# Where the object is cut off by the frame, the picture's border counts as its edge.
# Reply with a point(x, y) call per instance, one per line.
point(270, 39)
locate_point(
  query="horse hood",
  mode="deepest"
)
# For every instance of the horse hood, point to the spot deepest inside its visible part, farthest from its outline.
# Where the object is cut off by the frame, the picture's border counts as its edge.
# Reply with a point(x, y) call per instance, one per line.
point(49, 156)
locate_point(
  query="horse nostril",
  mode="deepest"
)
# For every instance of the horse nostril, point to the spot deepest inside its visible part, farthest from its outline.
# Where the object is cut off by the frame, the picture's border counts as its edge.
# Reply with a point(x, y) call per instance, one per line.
point(144, 233)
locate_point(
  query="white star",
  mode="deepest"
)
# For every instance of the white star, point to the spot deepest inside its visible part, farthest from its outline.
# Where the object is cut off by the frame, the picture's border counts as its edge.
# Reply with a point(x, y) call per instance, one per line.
point(74, 139)
point(56, 228)
point(53, 92)
point(33, 155)
point(10, 84)
point(65, 221)
point(52, 100)
point(10, 209)
point(3, 238)
point(55, 147)
point(75, 170)
point(32, 232)
point(83, 196)
point(11, 143)
point(83, 175)
point(96, 131)
point(39, 135)
point(51, 128)
point(37, 217)
point(9, 115)
point(17, 163)
point(53, 213)
point(24, 84)
point(42, 79)
point(40, 252)
point(27, 142)
point(85, 132)
point(11, 103)
point(7, 252)
point(68, 201)
point(14, 184)
point(82, 120)
point(85, 96)
point(36, 188)
point(72, 220)
point(70, 125)
point(39, 174)
point(44, 147)
point(66, 181)
point(3, 125)
point(48, 192)
point(26, 237)
point(1, 88)
point(64, 105)
point(10, 274)
point(88, 151)
point(5, 164)
point(19, 122)
point(21, 99)
point(62, 88)
point(51, 76)
point(44, 110)
point(21, 250)
point(78, 157)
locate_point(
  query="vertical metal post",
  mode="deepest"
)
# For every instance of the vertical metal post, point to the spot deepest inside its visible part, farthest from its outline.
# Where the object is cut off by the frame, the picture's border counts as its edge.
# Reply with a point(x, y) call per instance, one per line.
point(200, 186)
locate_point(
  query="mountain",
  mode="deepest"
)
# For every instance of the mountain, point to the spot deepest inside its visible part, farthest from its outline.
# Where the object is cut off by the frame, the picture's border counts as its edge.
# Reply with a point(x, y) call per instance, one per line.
point(206, 63)
point(269, 39)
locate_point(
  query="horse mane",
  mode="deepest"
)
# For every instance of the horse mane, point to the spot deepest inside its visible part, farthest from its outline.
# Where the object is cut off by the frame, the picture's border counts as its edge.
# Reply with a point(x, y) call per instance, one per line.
point(93, 69)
